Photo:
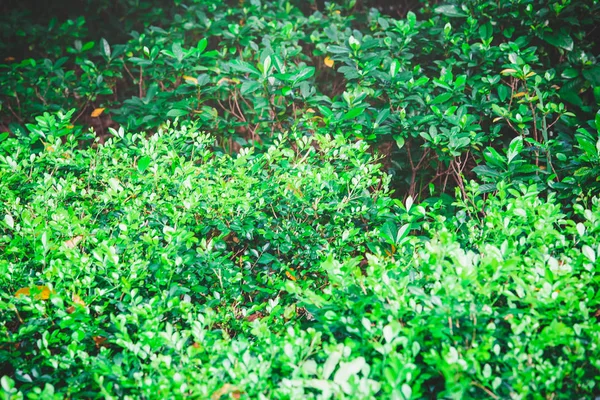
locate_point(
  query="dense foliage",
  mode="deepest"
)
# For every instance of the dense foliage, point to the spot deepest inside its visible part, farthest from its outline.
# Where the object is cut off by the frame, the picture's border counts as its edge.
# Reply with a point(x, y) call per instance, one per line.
point(275, 199)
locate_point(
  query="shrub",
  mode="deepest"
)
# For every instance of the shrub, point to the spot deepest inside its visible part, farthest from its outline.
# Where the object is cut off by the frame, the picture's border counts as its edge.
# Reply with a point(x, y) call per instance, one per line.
point(165, 222)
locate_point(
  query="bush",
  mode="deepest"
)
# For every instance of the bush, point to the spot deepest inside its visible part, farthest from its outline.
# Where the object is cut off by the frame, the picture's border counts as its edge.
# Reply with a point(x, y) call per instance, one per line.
point(165, 222)
point(432, 89)
point(231, 202)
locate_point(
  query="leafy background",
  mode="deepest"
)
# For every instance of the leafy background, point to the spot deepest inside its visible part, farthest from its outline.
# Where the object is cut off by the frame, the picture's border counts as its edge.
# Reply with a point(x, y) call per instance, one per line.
point(273, 199)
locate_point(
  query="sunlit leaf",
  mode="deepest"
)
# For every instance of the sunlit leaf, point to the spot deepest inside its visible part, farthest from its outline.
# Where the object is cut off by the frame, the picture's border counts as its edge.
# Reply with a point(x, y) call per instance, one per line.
point(9, 221)
point(72, 243)
point(190, 79)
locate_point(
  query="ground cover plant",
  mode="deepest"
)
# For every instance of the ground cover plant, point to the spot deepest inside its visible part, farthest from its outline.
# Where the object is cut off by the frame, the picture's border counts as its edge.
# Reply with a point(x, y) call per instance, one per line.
point(278, 199)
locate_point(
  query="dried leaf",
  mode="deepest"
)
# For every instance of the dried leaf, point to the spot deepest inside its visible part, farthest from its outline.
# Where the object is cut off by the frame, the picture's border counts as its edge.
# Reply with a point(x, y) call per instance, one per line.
point(77, 300)
point(254, 316)
point(72, 243)
point(227, 389)
point(222, 80)
point(99, 340)
point(97, 112)
point(328, 62)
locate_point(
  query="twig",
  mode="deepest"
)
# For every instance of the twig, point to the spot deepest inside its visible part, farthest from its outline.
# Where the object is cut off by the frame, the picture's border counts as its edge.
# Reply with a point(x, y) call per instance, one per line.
point(141, 83)
point(13, 113)
point(488, 391)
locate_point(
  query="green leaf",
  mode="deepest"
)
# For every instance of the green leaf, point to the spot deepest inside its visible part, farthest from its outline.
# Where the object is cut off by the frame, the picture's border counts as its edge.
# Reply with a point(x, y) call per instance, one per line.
point(87, 46)
point(388, 232)
point(597, 120)
point(561, 40)
point(442, 98)
point(175, 112)
point(249, 87)
point(406, 391)
point(570, 73)
point(353, 113)
point(348, 369)
point(331, 363)
point(399, 141)
point(105, 48)
point(450, 10)
point(514, 149)
point(486, 31)
point(382, 116)
point(503, 92)
point(143, 163)
point(177, 51)
point(493, 157)
point(304, 74)
point(9, 221)
point(592, 75)
point(242, 66)
point(266, 65)
point(201, 45)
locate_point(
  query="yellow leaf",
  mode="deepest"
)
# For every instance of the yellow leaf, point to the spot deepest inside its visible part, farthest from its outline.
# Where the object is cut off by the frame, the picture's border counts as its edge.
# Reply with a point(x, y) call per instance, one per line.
point(328, 62)
point(22, 292)
point(72, 243)
point(97, 112)
point(520, 94)
point(508, 71)
point(290, 276)
point(497, 119)
point(190, 79)
point(310, 110)
point(9, 59)
point(44, 292)
point(220, 82)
